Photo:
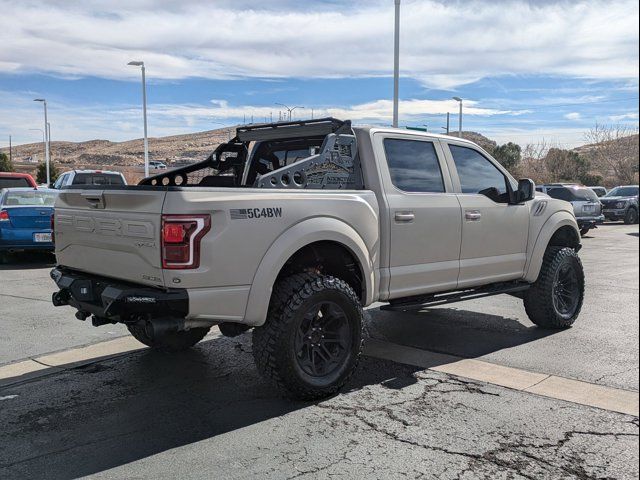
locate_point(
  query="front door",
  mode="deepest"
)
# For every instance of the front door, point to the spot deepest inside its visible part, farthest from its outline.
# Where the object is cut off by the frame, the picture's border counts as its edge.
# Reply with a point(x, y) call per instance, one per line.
point(494, 232)
point(424, 215)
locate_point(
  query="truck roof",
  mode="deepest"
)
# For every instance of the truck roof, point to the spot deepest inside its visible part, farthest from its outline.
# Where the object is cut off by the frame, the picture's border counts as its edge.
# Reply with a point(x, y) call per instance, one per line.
point(415, 133)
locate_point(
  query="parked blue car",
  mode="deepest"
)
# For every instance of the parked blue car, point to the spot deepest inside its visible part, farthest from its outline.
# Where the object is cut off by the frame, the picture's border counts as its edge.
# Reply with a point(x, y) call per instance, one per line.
point(25, 219)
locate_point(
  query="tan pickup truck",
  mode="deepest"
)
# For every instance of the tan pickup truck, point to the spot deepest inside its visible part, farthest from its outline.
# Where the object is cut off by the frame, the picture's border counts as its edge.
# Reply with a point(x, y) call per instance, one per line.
point(293, 228)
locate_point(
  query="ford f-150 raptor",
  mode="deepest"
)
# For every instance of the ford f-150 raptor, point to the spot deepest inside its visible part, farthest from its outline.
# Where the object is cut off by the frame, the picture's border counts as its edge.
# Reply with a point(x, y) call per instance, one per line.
point(292, 228)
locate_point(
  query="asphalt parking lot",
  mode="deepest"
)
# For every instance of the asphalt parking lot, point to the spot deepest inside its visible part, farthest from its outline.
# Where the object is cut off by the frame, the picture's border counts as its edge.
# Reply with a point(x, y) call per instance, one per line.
point(207, 413)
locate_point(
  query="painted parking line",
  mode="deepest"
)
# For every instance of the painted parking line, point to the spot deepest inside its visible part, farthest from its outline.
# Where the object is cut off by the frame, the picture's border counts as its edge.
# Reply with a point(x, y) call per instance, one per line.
point(559, 388)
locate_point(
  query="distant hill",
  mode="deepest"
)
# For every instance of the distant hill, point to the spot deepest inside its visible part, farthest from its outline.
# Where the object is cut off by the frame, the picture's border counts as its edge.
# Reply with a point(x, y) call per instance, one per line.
point(103, 153)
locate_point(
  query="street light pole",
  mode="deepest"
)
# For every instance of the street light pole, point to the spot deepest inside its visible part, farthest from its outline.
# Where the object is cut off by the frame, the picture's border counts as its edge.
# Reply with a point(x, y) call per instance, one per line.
point(46, 143)
point(459, 100)
point(144, 114)
point(396, 64)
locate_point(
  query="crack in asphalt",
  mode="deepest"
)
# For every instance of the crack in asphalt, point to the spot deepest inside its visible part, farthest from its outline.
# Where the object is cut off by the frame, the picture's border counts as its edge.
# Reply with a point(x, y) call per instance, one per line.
point(573, 464)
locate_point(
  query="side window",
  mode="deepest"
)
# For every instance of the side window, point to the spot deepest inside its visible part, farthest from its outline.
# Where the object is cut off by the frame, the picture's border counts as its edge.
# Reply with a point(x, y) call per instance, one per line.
point(477, 174)
point(413, 165)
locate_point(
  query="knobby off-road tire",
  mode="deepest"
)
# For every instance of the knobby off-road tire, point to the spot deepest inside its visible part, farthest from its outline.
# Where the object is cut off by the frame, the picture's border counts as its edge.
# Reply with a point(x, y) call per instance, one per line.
point(313, 337)
point(171, 341)
point(631, 217)
point(555, 299)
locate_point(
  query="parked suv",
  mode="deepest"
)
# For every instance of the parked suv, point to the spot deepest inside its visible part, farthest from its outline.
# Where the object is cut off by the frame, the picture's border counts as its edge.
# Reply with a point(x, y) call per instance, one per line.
point(89, 177)
point(586, 205)
point(291, 229)
point(621, 203)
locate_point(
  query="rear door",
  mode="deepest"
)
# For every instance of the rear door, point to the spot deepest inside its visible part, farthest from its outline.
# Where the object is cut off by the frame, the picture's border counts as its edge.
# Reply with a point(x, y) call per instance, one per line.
point(114, 233)
point(494, 232)
point(424, 214)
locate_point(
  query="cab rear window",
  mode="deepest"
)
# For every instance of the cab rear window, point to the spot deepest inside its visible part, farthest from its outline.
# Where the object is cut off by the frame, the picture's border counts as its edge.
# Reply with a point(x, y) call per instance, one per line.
point(13, 182)
point(97, 179)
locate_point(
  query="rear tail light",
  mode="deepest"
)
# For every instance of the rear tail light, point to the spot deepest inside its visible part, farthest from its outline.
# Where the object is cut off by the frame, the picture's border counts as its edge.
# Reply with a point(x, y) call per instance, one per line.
point(53, 224)
point(4, 216)
point(180, 240)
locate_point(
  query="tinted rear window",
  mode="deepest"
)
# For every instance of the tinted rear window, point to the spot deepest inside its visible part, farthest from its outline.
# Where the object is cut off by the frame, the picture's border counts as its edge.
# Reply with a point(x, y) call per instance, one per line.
point(573, 194)
point(9, 182)
point(97, 179)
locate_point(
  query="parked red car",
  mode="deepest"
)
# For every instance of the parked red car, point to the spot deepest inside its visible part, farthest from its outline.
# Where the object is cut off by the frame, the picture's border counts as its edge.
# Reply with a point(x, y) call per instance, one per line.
point(11, 180)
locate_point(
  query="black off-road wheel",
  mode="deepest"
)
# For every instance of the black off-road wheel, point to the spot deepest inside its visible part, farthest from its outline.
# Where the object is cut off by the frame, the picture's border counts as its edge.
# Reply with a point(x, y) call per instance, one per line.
point(631, 217)
point(170, 341)
point(555, 299)
point(313, 337)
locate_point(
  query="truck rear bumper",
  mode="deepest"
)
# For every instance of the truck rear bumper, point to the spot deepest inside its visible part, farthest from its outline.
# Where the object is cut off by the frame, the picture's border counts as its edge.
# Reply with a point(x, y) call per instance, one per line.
point(115, 301)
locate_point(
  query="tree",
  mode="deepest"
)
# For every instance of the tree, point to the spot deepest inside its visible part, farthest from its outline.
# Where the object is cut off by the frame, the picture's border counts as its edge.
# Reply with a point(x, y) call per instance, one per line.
point(5, 164)
point(566, 166)
point(532, 164)
point(614, 150)
point(41, 173)
point(509, 155)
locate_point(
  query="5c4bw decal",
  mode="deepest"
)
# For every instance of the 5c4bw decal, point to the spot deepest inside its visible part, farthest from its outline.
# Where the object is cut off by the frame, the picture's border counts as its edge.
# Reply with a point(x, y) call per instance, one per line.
point(248, 213)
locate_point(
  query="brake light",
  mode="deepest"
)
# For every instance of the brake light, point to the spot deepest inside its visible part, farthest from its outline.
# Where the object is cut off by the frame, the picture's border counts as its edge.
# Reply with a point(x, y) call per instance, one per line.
point(180, 240)
point(53, 224)
point(4, 216)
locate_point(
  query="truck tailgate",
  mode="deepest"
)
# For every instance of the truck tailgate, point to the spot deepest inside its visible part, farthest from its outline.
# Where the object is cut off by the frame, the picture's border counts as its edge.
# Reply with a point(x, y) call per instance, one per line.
point(111, 232)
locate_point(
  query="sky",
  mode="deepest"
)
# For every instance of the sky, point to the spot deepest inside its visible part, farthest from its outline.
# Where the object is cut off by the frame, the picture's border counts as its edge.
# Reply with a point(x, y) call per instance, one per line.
point(528, 71)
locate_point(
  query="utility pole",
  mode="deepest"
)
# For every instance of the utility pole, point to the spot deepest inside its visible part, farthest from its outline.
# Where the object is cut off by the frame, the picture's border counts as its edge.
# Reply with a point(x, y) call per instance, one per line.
point(447, 123)
point(459, 100)
point(46, 143)
point(10, 151)
point(144, 114)
point(396, 64)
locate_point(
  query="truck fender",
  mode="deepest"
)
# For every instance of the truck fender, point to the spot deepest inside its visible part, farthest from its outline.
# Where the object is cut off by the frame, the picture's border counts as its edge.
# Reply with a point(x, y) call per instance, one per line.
point(549, 228)
point(288, 243)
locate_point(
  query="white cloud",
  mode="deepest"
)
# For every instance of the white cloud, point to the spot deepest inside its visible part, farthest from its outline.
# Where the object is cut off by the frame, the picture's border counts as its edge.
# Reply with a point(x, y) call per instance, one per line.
point(624, 116)
point(442, 44)
point(123, 122)
point(573, 116)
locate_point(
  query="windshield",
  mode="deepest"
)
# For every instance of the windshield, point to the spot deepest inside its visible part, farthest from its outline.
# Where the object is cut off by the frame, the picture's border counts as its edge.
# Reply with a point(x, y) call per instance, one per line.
point(30, 199)
point(623, 192)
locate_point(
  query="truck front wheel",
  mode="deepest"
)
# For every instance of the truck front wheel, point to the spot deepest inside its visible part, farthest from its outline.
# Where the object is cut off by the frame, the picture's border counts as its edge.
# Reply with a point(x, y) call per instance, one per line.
point(555, 299)
point(169, 341)
point(312, 339)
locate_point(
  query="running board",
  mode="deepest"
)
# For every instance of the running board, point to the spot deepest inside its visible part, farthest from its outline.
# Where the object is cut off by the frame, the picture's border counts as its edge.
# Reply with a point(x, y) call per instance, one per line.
point(422, 301)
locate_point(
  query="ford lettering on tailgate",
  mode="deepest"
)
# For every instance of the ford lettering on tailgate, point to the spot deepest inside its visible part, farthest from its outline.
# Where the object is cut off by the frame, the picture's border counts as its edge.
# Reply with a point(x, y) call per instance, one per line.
point(107, 226)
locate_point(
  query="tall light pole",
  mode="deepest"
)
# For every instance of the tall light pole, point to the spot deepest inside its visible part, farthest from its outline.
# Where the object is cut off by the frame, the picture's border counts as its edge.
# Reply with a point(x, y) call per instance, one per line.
point(290, 110)
point(144, 114)
point(459, 100)
point(46, 142)
point(396, 64)
point(10, 150)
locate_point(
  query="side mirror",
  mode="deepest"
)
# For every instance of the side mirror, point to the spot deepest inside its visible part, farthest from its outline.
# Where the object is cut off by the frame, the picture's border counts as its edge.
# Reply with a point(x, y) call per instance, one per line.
point(526, 190)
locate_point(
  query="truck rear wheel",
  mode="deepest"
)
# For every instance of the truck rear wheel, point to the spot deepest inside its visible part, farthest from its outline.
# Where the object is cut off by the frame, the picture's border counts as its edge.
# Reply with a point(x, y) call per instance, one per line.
point(312, 340)
point(555, 299)
point(170, 341)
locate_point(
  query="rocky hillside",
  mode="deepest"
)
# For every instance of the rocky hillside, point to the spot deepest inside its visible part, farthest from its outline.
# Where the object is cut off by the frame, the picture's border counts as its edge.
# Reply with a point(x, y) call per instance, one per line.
point(103, 153)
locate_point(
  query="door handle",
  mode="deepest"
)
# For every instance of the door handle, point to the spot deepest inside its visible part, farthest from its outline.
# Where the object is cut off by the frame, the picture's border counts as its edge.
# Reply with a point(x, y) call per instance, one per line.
point(405, 217)
point(472, 215)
